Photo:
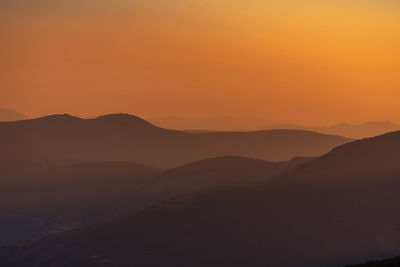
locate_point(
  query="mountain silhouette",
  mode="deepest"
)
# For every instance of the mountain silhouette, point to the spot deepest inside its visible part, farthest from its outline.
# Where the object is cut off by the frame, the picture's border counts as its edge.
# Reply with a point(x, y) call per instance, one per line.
point(209, 123)
point(228, 170)
point(366, 129)
point(7, 114)
point(357, 131)
point(382, 263)
point(37, 199)
point(338, 209)
point(207, 174)
point(122, 137)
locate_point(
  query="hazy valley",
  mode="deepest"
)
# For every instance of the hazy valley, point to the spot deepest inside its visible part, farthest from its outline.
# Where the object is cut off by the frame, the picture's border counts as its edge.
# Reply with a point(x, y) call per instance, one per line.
point(74, 194)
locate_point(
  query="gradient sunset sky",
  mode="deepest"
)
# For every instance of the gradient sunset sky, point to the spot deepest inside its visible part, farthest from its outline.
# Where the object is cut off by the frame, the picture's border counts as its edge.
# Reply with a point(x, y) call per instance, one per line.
point(309, 62)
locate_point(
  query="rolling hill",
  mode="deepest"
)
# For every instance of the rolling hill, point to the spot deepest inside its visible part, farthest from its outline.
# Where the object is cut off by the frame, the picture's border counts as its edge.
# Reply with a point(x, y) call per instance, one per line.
point(211, 124)
point(65, 139)
point(38, 200)
point(355, 131)
point(338, 209)
point(204, 175)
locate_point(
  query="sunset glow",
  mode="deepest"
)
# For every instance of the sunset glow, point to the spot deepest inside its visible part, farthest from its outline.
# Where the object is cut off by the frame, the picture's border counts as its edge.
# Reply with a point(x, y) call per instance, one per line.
point(309, 62)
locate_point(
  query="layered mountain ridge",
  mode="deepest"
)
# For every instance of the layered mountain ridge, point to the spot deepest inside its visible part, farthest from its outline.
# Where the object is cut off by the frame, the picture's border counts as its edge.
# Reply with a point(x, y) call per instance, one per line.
point(298, 218)
point(122, 137)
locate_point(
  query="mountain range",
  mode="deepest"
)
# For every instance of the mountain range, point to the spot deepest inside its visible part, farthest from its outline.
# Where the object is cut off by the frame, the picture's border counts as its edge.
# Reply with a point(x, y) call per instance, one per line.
point(355, 131)
point(215, 124)
point(218, 124)
point(121, 137)
point(210, 124)
point(337, 209)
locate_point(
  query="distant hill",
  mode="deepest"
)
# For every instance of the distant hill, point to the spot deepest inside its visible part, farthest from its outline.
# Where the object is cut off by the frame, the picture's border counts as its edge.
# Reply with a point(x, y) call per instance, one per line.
point(222, 171)
point(122, 137)
point(10, 115)
point(364, 130)
point(211, 124)
point(37, 200)
point(338, 209)
point(217, 124)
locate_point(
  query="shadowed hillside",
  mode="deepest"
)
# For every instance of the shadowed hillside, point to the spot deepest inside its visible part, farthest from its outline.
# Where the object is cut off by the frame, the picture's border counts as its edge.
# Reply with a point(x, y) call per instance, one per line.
point(215, 172)
point(63, 138)
point(36, 199)
point(335, 210)
point(394, 262)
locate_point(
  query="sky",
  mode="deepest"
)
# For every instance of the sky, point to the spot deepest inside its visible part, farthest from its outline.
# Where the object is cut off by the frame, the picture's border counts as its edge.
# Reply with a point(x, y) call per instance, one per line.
point(308, 62)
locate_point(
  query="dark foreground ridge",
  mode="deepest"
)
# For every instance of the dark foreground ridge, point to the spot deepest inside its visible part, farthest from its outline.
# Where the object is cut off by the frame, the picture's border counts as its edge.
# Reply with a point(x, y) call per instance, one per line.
point(38, 200)
point(394, 262)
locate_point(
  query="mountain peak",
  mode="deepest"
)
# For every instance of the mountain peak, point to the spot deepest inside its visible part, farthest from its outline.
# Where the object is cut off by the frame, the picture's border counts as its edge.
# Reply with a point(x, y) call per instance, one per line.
point(62, 116)
point(58, 117)
point(123, 117)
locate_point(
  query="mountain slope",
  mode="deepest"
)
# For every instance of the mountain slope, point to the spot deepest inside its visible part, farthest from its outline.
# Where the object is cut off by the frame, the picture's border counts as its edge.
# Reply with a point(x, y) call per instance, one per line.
point(355, 131)
point(364, 130)
point(327, 212)
point(121, 137)
point(36, 199)
point(86, 193)
point(383, 263)
point(205, 175)
point(229, 170)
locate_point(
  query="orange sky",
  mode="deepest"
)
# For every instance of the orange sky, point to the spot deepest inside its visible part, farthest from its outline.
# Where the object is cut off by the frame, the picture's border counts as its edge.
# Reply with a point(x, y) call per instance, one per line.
point(309, 62)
